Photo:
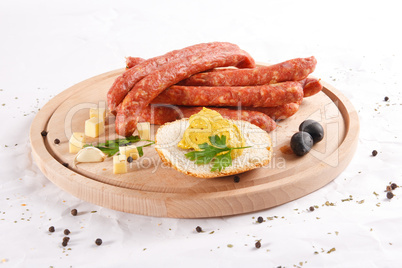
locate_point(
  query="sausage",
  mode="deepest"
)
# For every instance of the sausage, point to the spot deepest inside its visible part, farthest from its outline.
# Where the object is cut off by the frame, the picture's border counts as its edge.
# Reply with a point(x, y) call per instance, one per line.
point(161, 114)
point(253, 96)
point(125, 82)
point(311, 86)
point(169, 74)
point(182, 95)
point(133, 61)
point(279, 112)
point(291, 70)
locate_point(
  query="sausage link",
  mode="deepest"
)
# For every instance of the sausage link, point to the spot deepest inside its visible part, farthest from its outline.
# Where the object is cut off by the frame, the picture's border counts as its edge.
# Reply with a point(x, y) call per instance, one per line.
point(291, 70)
point(161, 114)
point(169, 74)
point(279, 112)
point(311, 86)
point(133, 61)
point(125, 82)
point(253, 96)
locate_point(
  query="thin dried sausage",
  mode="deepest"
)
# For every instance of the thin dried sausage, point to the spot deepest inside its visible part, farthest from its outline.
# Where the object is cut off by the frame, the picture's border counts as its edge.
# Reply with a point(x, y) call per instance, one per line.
point(311, 86)
point(133, 61)
point(169, 74)
point(278, 112)
point(253, 96)
point(161, 114)
point(125, 82)
point(291, 70)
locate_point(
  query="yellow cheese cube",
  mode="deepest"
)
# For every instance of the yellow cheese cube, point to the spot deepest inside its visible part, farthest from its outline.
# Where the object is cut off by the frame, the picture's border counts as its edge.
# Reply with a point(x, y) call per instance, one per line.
point(119, 164)
point(94, 127)
point(144, 130)
point(77, 142)
point(98, 112)
point(129, 150)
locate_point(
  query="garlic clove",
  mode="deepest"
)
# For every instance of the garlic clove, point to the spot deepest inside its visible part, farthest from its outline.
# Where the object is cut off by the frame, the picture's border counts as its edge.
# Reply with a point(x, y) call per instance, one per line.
point(89, 155)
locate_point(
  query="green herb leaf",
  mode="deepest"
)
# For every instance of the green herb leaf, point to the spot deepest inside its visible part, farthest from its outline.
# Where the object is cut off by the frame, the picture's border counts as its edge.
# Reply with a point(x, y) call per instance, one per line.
point(222, 161)
point(111, 147)
point(217, 152)
point(140, 151)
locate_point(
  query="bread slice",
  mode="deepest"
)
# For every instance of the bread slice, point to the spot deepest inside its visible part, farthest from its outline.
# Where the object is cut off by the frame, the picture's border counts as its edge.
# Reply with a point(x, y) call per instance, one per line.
point(170, 134)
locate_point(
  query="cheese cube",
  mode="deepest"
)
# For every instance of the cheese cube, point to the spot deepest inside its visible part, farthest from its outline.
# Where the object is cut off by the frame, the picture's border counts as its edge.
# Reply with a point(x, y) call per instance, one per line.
point(94, 127)
point(119, 164)
point(129, 150)
point(98, 112)
point(144, 130)
point(77, 142)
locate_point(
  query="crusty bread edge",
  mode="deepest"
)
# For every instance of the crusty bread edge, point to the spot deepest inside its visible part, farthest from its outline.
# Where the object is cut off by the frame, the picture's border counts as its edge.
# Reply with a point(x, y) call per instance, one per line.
point(212, 175)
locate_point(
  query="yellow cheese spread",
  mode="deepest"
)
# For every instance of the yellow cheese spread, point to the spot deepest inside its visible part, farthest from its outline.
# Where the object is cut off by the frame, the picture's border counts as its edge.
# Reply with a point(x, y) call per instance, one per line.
point(209, 123)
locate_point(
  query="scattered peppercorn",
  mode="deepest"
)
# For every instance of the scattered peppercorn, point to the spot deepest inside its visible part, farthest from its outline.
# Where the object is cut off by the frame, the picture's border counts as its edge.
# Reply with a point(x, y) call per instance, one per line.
point(258, 244)
point(236, 179)
point(388, 188)
point(65, 164)
point(51, 229)
point(374, 153)
point(66, 231)
point(98, 241)
point(386, 98)
point(260, 219)
point(44, 133)
point(56, 141)
point(311, 208)
point(130, 159)
point(64, 243)
point(394, 186)
point(390, 195)
point(66, 238)
point(198, 229)
point(74, 212)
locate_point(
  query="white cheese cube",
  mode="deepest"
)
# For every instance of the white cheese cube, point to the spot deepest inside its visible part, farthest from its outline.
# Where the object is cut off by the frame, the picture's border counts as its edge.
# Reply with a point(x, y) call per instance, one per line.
point(119, 164)
point(94, 127)
point(129, 150)
point(98, 112)
point(144, 130)
point(77, 142)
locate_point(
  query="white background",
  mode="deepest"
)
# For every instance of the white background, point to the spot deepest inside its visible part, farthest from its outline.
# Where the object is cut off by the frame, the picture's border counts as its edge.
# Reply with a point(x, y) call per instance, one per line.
point(48, 46)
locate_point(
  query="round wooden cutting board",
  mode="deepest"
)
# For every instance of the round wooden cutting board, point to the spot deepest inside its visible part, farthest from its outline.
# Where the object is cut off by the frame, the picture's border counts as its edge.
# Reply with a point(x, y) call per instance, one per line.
point(151, 188)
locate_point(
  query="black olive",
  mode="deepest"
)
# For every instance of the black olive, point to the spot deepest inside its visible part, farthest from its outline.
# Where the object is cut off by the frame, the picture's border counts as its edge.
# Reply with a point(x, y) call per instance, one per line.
point(301, 143)
point(313, 128)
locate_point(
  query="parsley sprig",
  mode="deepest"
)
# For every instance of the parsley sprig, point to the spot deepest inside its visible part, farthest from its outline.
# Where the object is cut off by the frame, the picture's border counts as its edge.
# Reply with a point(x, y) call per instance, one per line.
point(111, 147)
point(217, 152)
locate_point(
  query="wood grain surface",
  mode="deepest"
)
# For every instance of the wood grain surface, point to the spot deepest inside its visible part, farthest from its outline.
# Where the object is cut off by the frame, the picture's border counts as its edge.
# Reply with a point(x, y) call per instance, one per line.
point(150, 188)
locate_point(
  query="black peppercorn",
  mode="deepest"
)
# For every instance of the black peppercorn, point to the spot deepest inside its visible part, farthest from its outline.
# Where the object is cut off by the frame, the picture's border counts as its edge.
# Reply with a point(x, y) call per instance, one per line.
point(388, 188)
point(386, 98)
point(393, 186)
point(64, 243)
point(51, 229)
point(258, 244)
point(66, 231)
point(390, 195)
point(129, 159)
point(56, 141)
point(44, 133)
point(311, 208)
point(74, 212)
point(198, 229)
point(65, 164)
point(374, 153)
point(98, 241)
point(66, 238)
point(260, 219)
point(236, 179)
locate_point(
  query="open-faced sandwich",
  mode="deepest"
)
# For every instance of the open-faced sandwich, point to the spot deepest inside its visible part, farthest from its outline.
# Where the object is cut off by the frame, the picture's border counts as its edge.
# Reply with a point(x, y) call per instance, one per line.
point(206, 145)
